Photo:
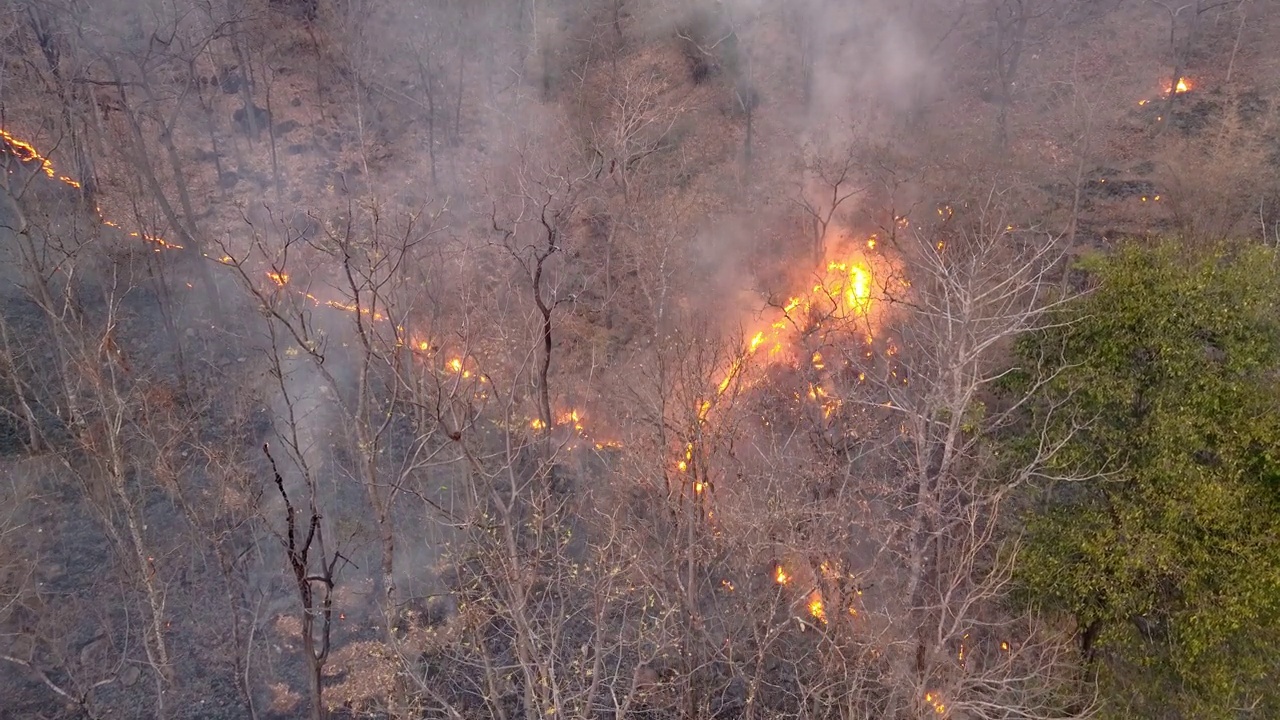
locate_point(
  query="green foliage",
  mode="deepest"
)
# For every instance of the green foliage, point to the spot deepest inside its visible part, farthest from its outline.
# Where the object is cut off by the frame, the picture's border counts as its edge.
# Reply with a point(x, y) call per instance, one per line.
point(1163, 385)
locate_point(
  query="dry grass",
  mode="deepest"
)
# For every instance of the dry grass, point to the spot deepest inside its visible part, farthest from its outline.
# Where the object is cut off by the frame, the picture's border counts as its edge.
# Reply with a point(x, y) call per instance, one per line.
point(368, 674)
point(284, 700)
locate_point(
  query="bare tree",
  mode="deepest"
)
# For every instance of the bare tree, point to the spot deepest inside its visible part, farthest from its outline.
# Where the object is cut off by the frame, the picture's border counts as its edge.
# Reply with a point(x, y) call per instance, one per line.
point(975, 285)
point(313, 576)
point(544, 200)
point(827, 183)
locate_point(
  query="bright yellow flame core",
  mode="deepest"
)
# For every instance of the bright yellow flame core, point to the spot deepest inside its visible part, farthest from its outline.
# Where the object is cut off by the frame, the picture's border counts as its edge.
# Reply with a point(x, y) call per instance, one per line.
point(846, 285)
point(570, 417)
point(816, 609)
point(855, 282)
point(780, 576)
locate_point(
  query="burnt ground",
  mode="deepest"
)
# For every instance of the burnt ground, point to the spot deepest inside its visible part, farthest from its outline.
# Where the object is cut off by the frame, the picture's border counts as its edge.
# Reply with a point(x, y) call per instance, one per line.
point(79, 618)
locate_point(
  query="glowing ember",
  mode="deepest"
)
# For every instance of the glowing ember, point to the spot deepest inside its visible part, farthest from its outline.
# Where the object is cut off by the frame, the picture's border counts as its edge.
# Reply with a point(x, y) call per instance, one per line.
point(424, 345)
point(278, 278)
point(456, 365)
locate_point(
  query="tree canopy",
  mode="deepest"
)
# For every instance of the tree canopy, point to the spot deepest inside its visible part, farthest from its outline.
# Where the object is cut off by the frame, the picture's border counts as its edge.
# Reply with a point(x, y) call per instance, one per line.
point(1162, 383)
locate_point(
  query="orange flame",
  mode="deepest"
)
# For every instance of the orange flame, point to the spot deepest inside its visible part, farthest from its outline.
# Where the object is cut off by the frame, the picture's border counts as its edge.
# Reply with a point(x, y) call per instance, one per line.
point(570, 417)
point(683, 464)
point(816, 609)
point(780, 576)
point(27, 153)
point(1183, 85)
point(846, 285)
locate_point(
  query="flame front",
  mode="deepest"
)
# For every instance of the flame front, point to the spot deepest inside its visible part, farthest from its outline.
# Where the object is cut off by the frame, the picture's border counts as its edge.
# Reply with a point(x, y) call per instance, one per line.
point(847, 286)
point(843, 294)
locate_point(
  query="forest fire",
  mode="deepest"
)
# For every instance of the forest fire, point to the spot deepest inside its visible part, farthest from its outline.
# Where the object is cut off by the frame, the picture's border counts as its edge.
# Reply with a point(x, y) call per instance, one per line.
point(816, 608)
point(1169, 89)
point(843, 294)
point(570, 366)
point(570, 417)
point(25, 152)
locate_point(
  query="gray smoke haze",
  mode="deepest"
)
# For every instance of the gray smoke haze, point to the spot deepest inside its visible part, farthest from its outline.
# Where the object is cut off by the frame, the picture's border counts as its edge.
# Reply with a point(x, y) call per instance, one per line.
point(417, 232)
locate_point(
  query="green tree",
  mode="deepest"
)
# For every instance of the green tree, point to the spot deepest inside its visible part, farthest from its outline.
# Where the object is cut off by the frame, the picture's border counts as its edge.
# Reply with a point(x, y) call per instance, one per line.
point(1162, 383)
